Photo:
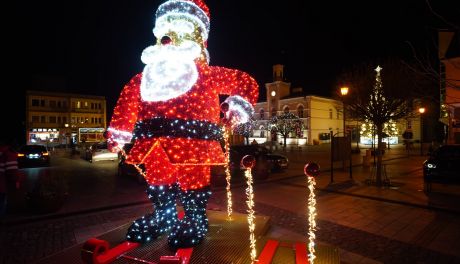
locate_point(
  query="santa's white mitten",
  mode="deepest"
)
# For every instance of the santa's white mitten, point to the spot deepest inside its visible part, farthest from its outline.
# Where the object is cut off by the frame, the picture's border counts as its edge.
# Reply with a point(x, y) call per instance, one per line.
point(116, 139)
point(239, 110)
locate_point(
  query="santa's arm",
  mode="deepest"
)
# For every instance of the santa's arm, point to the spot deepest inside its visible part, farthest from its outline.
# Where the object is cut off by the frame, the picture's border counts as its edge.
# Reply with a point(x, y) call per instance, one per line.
point(125, 114)
point(243, 91)
point(234, 82)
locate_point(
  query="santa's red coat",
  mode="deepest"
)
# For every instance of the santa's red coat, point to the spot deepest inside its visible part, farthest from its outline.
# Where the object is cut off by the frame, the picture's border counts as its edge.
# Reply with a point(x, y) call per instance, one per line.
point(182, 160)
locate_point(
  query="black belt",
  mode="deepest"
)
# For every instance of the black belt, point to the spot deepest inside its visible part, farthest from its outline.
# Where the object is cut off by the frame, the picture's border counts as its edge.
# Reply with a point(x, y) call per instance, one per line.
point(177, 128)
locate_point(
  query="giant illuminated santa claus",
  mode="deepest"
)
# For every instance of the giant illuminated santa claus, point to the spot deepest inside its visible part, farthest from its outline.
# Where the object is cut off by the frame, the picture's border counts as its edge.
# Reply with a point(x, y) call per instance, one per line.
point(171, 112)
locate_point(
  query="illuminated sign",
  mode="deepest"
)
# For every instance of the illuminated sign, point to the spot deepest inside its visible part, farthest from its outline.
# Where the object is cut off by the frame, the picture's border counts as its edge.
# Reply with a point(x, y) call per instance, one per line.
point(44, 130)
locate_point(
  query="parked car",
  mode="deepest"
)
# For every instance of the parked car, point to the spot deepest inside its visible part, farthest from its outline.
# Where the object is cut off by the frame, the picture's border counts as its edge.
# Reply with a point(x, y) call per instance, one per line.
point(125, 169)
point(33, 155)
point(277, 162)
point(443, 166)
point(98, 152)
point(262, 168)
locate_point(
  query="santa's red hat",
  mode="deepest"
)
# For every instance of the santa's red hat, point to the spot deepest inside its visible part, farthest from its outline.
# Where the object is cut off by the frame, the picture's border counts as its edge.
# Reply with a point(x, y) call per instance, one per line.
point(195, 10)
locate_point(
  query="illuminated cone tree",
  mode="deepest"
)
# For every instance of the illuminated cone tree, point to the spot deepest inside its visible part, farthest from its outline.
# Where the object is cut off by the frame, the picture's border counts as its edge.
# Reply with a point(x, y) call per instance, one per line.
point(378, 99)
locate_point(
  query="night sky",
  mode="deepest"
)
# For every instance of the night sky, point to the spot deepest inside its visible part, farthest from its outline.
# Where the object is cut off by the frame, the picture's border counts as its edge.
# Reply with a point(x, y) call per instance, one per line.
point(94, 47)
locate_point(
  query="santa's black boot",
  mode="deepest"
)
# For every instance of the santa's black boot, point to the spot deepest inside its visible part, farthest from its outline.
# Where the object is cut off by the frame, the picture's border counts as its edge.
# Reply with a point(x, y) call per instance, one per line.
point(191, 229)
point(151, 226)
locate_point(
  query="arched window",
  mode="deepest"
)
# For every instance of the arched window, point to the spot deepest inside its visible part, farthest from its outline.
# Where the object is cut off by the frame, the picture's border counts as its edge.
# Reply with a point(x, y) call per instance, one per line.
point(300, 111)
point(286, 109)
point(262, 114)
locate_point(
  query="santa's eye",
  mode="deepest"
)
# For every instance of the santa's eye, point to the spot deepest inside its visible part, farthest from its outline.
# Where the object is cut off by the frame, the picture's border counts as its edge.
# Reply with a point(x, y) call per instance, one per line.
point(183, 27)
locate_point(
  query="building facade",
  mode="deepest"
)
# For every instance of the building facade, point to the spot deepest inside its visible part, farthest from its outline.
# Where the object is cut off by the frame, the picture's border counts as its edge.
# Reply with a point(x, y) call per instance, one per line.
point(449, 56)
point(319, 115)
point(61, 119)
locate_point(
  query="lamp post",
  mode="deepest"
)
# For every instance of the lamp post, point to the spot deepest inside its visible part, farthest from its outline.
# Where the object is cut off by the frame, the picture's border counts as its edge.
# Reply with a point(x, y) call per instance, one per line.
point(421, 110)
point(343, 92)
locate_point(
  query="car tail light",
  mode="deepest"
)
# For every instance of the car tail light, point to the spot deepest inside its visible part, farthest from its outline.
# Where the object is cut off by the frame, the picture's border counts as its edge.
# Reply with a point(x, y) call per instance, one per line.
point(45, 153)
point(20, 155)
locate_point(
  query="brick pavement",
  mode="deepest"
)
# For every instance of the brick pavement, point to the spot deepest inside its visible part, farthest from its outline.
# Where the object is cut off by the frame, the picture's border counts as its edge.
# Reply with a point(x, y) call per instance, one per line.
point(375, 239)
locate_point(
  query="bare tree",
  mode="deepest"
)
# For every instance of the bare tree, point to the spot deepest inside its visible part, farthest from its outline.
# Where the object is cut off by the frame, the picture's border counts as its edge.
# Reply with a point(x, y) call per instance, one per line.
point(379, 96)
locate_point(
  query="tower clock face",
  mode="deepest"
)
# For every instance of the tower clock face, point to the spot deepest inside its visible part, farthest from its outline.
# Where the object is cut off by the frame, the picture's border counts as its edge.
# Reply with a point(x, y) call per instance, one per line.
point(273, 93)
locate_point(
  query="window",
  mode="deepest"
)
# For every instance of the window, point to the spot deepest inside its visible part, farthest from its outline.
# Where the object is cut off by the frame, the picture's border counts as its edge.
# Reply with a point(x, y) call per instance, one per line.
point(42, 103)
point(330, 113)
point(52, 119)
point(35, 119)
point(300, 111)
point(262, 114)
point(338, 116)
point(273, 112)
point(59, 104)
point(52, 103)
point(59, 119)
point(286, 110)
point(86, 104)
point(43, 119)
point(35, 102)
point(92, 105)
point(73, 120)
point(100, 120)
point(78, 105)
point(64, 119)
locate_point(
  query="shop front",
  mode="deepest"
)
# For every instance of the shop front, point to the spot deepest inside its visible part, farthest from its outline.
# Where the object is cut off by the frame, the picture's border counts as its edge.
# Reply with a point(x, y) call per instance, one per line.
point(44, 136)
point(92, 134)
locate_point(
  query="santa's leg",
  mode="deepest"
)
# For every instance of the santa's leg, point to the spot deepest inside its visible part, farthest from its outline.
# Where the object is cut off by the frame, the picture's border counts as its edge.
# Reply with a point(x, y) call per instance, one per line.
point(192, 229)
point(150, 226)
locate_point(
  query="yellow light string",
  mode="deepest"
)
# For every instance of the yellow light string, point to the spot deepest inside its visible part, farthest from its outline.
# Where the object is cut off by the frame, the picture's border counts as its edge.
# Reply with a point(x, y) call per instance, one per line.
point(311, 219)
point(228, 176)
point(251, 217)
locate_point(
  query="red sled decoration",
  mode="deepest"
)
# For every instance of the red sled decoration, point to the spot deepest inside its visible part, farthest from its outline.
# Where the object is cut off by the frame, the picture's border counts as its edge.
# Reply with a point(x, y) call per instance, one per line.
point(269, 250)
point(97, 251)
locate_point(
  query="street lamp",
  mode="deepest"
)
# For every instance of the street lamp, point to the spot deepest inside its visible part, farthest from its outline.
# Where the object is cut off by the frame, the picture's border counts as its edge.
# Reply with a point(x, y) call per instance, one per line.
point(421, 110)
point(343, 92)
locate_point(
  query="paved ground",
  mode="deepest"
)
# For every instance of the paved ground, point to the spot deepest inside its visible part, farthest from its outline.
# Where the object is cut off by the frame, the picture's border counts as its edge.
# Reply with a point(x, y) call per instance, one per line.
point(395, 224)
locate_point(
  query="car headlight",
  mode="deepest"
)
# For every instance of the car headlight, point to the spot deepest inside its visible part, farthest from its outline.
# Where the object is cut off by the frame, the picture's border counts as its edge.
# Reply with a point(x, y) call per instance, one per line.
point(431, 165)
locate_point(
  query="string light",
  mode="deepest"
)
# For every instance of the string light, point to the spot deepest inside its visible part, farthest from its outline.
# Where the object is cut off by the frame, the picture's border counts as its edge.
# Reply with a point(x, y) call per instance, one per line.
point(193, 227)
point(248, 162)
point(311, 219)
point(311, 170)
point(228, 176)
point(152, 225)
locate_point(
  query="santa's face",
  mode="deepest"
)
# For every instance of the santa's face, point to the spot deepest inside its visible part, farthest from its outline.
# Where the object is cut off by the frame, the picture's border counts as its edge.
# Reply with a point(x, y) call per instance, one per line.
point(170, 69)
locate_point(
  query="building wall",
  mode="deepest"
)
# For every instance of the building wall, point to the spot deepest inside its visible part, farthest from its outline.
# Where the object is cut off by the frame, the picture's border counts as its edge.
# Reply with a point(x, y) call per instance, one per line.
point(56, 118)
point(325, 117)
point(452, 74)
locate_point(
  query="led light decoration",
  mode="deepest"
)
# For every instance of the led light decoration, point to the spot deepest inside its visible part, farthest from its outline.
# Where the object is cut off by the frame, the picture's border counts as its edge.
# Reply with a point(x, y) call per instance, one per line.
point(161, 220)
point(248, 163)
point(191, 230)
point(228, 176)
point(311, 170)
point(171, 112)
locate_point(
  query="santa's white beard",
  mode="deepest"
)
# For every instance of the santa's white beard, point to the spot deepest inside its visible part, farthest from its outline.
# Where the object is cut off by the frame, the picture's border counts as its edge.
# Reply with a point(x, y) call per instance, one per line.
point(170, 71)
